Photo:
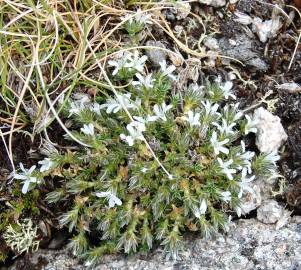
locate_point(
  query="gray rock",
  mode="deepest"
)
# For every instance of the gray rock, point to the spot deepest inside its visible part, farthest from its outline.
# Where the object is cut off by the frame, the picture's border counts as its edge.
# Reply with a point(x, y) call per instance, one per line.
point(248, 245)
point(270, 132)
point(269, 212)
point(156, 55)
point(243, 50)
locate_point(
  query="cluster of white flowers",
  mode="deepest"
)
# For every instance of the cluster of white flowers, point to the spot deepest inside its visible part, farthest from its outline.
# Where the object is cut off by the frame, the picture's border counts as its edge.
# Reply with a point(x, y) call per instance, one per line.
point(201, 210)
point(81, 102)
point(135, 129)
point(138, 17)
point(218, 146)
point(128, 60)
point(224, 89)
point(138, 126)
point(88, 129)
point(145, 81)
point(167, 70)
point(121, 101)
point(192, 118)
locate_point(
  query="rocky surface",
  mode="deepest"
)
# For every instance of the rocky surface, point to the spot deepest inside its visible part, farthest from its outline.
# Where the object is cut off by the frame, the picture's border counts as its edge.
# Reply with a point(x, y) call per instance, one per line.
point(270, 132)
point(249, 244)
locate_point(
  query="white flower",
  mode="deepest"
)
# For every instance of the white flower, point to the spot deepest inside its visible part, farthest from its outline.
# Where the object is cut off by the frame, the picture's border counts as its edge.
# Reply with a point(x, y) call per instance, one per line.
point(238, 211)
point(144, 170)
point(120, 63)
point(243, 18)
point(193, 118)
point(218, 145)
point(115, 105)
point(225, 128)
point(95, 107)
point(82, 98)
point(225, 196)
point(210, 109)
point(250, 125)
point(245, 157)
point(272, 158)
point(160, 111)
point(167, 70)
point(46, 164)
point(113, 199)
point(201, 210)
point(27, 177)
point(244, 183)
point(226, 88)
point(142, 17)
point(76, 108)
point(88, 129)
point(135, 129)
point(231, 113)
point(146, 120)
point(139, 17)
point(145, 81)
point(225, 168)
point(135, 61)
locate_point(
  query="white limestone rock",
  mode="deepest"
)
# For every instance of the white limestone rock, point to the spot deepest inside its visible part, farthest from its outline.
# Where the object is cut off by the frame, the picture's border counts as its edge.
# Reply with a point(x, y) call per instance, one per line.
point(270, 212)
point(270, 132)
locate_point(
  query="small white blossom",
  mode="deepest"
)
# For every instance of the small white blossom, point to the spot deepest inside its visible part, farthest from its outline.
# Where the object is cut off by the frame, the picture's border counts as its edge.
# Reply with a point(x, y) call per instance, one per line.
point(115, 105)
point(218, 145)
point(238, 211)
point(225, 128)
point(136, 62)
point(160, 111)
point(225, 196)
point(76, 108)
point(245, 157)
point(46, 164)
point(210, 109)
point(142, 17)
point(139, 17)
point(144, 170)
point(167, 70)
point(227, 90)
point(26, 176)
point(201, 210)
point(95, 107)
point(113, 199)
point(135, 130)
point(145, 81)
point(120, 63)
point(82, 98)
point(193, 118)
point(250, 125)
point(88, 129)
point(272, 158)
point(225, 166)
point(231, 112)
point(244, 183)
